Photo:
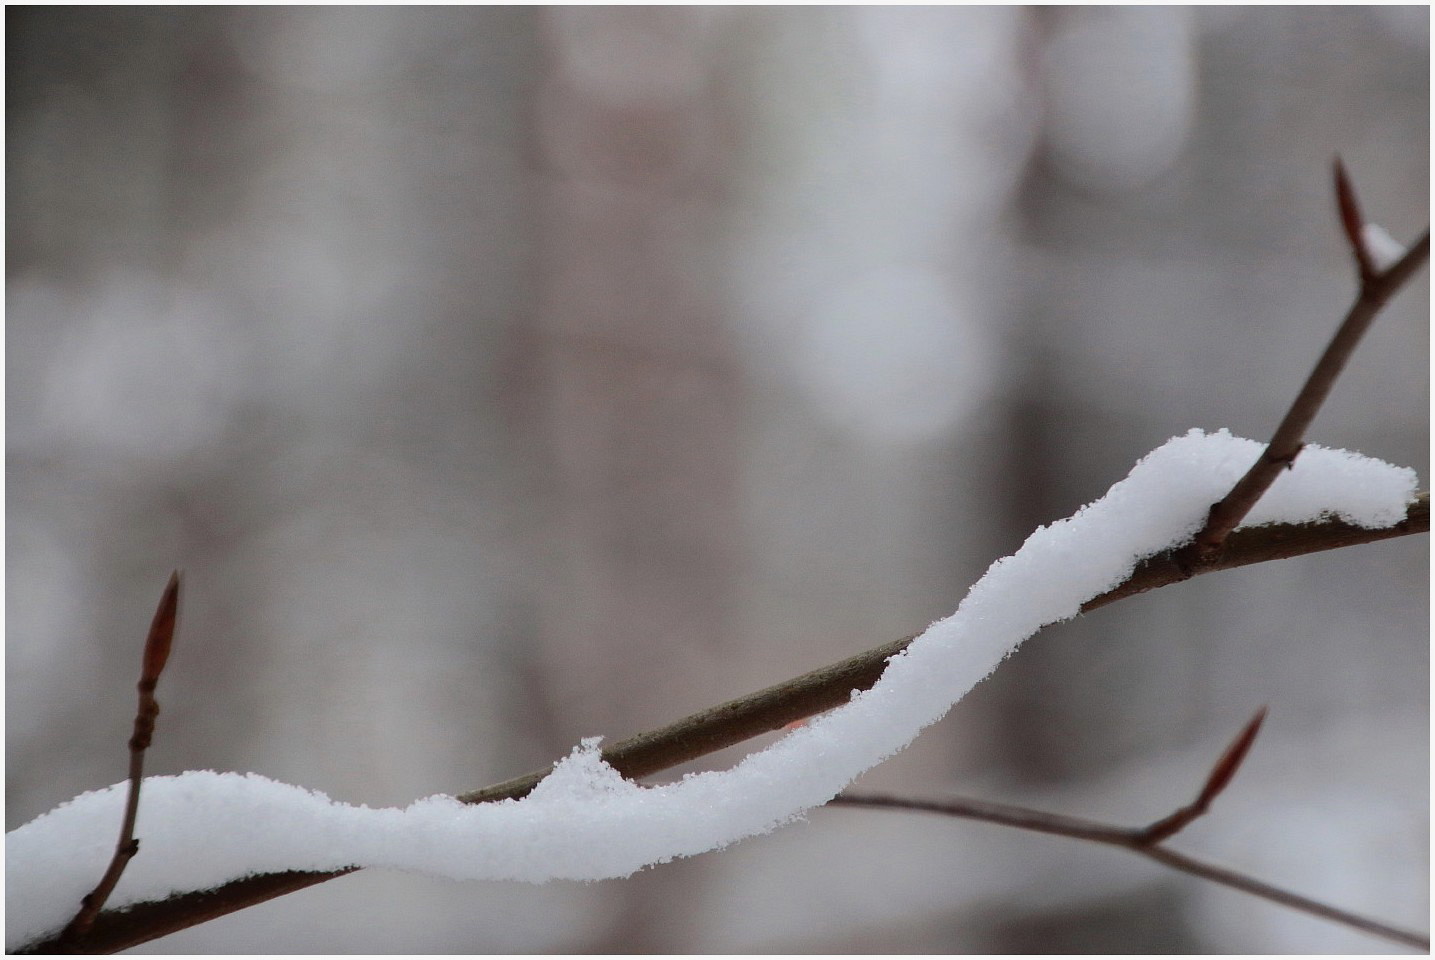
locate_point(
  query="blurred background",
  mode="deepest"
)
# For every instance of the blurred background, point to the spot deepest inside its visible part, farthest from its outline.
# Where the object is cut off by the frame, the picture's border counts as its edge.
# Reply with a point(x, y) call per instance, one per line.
point(504, 376)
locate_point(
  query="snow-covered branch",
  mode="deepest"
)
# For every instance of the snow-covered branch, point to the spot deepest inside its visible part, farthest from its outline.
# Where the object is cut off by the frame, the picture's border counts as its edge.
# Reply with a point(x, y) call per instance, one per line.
point(585, 821)
point(215, 843)
point(1383, 272)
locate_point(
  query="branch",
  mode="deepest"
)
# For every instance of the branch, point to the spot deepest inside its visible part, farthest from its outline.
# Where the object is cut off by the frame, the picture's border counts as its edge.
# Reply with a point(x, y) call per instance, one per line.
point(1219, 546)
point(1211, 547)
point(156, 654)
point(828, 687)
point(1148, 840)
point(733, 722)
point(1376, 289)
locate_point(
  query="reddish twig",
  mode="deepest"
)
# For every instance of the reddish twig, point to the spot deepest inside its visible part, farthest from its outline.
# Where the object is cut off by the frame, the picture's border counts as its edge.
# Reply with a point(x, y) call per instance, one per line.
point(156, 653)
point(1353, 223)
point(1218, 779)
point(1376, 289)
point(1147, 840)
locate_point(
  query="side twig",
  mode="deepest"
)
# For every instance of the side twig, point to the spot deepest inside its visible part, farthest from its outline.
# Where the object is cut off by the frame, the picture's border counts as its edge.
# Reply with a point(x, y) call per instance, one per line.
point(156, 653)
point(1376, 288)
point(1216, 781)
point(1148, 840)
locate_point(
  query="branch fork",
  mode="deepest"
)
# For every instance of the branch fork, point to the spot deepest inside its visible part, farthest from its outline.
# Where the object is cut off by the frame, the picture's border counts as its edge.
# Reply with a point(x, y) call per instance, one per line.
point(1377, 286)
point(1149, 841)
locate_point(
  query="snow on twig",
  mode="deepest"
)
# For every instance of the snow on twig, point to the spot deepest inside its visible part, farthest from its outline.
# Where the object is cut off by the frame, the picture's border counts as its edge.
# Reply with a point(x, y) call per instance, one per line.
point(585, 821)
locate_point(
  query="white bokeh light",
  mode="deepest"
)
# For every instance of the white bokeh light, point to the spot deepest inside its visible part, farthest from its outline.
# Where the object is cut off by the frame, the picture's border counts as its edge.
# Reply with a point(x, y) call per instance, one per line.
point(1120, 91)
point(892, 355)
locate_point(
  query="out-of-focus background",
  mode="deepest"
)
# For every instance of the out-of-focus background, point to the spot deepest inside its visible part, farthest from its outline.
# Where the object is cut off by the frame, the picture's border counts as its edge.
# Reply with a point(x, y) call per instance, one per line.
point(503, 376)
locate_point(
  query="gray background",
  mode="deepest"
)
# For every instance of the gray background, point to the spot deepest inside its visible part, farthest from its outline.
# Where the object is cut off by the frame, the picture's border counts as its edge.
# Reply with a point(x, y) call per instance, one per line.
point(502, 376)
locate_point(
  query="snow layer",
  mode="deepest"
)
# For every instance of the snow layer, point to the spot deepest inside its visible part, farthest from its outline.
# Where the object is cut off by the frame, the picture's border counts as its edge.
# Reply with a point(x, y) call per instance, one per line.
point(584, 821)
point(1384, 249)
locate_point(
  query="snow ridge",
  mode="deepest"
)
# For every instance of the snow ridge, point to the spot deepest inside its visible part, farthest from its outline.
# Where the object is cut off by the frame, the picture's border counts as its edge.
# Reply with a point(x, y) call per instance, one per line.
point(202, 829)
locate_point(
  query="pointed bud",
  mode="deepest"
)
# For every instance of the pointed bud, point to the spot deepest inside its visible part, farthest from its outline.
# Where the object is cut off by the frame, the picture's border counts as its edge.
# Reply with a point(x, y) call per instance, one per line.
point(161, 632)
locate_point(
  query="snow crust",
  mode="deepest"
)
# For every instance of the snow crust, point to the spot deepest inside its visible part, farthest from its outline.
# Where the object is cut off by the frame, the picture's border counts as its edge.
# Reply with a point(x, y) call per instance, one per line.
point(202, 829)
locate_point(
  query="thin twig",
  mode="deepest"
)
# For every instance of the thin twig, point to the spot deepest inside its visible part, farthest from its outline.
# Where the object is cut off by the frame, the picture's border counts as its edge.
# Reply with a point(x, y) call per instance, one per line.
point(1353, 223)
point(1218, 779)
point(156, 654)
point(1376, 289)
point(733, 722)
point(1148, 840)
point(1042, 822)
